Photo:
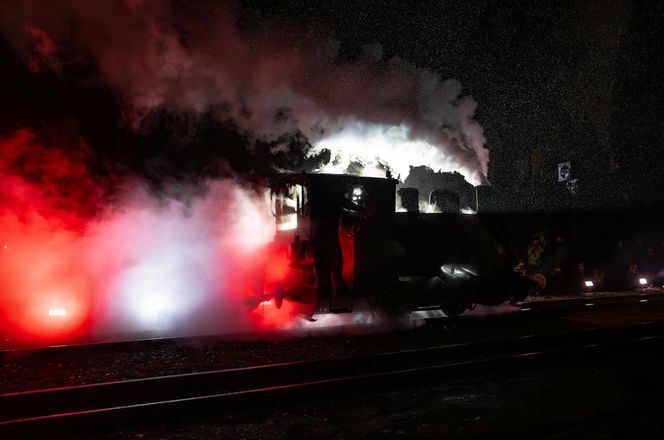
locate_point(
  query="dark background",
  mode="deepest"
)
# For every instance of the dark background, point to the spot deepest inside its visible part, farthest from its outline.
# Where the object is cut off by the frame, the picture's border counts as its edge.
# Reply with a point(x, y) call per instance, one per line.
point(555, 81)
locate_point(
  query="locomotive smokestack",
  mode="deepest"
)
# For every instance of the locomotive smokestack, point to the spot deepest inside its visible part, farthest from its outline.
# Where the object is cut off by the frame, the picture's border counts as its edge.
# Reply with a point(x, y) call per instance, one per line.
point(410, 199)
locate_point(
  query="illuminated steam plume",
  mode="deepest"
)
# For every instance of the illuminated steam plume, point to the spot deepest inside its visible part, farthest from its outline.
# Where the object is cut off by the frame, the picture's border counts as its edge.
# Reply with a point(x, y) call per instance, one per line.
point(271, 80)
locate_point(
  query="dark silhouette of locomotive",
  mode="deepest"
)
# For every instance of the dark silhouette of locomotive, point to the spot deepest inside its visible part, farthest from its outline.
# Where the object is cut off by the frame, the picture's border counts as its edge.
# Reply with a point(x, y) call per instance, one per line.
point(345, 240)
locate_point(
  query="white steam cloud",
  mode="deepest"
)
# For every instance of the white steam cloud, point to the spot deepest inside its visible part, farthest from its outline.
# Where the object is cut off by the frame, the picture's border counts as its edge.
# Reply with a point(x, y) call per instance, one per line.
point(179, 267)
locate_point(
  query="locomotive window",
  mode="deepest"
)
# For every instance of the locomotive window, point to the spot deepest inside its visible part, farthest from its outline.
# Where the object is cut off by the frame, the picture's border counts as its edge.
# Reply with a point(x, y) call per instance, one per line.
point(287, 203)
point(303, 206)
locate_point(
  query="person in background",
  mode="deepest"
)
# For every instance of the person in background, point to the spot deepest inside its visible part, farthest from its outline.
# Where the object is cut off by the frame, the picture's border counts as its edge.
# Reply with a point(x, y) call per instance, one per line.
point(535, 255)
point(632, 275)
point(554, 265)
point(598, 278)
point(650, 262)
point(579, 276)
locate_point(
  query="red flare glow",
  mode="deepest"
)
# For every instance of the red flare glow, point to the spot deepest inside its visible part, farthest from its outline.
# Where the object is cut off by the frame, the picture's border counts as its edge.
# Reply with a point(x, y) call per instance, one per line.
point(46, 199)
point(69, 265)
point(268, 316)
point(276, 269)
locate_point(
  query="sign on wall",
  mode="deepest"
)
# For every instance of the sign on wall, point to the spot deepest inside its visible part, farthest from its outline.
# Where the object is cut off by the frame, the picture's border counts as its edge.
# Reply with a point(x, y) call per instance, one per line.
point(564, 171)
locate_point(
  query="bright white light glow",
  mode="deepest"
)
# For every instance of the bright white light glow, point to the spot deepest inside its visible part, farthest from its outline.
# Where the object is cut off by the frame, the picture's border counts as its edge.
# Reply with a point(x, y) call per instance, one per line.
point(357, 191)
point(171, 271)
point(289, 222)
point(374, 146)
point(330, 320)
point(643, 281)
point(57, 312)
point(643, 300)
point(589, 283)
point(162, 288)
point(425, 207)
point(251, 222)
point(458, 272)
point(180, 268)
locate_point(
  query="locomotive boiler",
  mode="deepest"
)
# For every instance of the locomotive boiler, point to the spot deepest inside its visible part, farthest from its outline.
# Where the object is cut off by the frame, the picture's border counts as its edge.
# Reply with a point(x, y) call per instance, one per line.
point(349, 237)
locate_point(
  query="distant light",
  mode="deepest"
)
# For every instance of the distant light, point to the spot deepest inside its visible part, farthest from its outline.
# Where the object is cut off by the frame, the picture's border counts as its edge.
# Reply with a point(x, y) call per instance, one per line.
point(643, 281)
point(57, 312)
point(5, 246)
point(525, 309)
point(589, 304)
point(589, 283)
point(643, 300)
point(357, 191)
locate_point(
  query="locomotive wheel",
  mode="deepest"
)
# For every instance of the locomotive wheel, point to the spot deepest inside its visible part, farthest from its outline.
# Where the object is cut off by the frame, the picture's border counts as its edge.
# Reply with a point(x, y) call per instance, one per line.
point(454, 310)
point(380, 299)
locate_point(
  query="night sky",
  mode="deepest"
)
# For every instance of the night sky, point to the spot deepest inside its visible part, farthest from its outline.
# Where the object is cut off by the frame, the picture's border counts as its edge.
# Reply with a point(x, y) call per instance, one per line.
point(553, 82)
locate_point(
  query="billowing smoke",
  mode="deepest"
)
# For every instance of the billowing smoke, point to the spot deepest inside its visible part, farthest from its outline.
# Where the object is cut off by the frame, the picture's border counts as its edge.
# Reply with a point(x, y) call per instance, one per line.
point(91, 242)
point(272, 81)
point(74, 262)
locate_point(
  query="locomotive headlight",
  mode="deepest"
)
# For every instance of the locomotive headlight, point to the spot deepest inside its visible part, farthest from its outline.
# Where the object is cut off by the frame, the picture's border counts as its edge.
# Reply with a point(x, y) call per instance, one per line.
point(589, 284)
point(357, 191)
point(643, 281)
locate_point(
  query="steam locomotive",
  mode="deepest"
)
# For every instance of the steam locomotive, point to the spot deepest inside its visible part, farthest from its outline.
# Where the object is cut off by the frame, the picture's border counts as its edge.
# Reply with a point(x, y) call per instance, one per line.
point(345, 239)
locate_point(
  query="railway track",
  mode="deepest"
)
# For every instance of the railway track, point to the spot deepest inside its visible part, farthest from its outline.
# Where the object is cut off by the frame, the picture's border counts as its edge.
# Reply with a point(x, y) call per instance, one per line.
point(88, 408)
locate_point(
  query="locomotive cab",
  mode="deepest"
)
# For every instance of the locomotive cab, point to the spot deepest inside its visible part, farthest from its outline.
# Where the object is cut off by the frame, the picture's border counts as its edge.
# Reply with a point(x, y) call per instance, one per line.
point(318, 219)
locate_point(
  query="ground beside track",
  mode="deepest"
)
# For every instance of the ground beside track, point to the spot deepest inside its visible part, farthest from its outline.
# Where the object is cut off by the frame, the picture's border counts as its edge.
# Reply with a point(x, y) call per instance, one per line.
point(608, 397)
point(126, 361)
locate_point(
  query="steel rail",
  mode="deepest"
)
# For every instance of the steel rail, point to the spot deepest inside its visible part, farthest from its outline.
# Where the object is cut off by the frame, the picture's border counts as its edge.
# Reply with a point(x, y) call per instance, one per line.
point(115, 403)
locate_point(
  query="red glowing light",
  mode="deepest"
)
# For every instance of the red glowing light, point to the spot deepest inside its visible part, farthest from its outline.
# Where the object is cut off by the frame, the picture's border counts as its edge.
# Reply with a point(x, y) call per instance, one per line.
point(277, 267)
point(43, 217)
point(268, 316)
point(347, 241)
point(74, 264)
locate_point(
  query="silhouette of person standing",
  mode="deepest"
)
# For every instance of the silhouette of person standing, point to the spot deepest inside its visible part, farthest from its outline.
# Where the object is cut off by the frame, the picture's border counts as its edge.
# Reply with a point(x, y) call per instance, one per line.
point(328, 257)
